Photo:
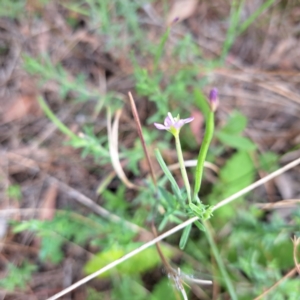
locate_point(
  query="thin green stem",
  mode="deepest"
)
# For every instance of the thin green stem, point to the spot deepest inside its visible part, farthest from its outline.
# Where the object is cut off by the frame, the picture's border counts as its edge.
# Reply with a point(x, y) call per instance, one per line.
point(209, 131)
point(235, 13)
point(182, 167)
point(256, 14)
point(160, 49)
point(61, 126)
point(209, 235)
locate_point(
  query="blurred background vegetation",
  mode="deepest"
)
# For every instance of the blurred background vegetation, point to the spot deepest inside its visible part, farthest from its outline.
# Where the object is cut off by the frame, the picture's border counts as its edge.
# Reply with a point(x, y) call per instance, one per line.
point(66, 209)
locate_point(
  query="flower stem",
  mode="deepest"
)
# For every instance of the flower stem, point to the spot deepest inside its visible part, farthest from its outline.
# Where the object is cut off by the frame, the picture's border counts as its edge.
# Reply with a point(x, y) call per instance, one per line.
point(218, 258)
point(209, 130)
point(182, 167)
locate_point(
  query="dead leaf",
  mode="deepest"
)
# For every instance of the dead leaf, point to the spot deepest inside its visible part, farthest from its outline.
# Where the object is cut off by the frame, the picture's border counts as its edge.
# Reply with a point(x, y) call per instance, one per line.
point(285, 185)
point(49, 203)
point(24, 103)
point(181, 10)
point(20, 108)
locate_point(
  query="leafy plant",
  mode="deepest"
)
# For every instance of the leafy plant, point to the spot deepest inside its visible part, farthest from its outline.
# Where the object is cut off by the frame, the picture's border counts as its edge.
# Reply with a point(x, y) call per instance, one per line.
point(14, 191)
point(241, 263)
point(17, 277)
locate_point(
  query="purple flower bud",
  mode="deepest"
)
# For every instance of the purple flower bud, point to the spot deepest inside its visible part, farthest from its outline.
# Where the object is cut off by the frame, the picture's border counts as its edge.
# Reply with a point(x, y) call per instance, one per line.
point(213, 99)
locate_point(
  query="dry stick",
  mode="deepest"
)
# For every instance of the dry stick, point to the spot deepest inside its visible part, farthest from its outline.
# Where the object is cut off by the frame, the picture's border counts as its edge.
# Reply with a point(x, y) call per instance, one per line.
point(175, 229)
point(279, 204)
point(289, 274)
point(81, 198)
point(140, 133)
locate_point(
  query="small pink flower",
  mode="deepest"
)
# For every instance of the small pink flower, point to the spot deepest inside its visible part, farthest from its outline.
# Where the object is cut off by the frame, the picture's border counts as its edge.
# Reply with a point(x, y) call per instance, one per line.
point(173, 124)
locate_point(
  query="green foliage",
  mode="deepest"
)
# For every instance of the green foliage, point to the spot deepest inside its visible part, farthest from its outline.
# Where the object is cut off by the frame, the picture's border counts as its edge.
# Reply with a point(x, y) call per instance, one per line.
point(256, 248)
point(236, 27)
point(71, 228)
point(116, 201)
point(128, 287)
point(46, 70)
point(230, 134)
point(149, 85)
point(236, 123)
point(237, 173)
point(186, 50)
point(168, 174)
point(140, 263)
point(260, 250)
point(163, 290)
point(185, 235)
point(268, 161)
point(90, 144)
point(237, 142)
point(136, 153)
point(11, 8)
point(17, 277)
point(14, 191)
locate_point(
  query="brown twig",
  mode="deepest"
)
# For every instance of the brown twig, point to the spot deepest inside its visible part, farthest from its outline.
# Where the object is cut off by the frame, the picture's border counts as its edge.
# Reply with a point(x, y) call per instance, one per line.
point(140, 133)
point(279, 204)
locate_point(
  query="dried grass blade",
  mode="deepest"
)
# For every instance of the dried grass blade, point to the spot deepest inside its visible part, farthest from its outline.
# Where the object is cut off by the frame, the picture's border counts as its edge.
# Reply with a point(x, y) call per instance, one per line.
point(113, 148)
point(140, 133)
point(296, 242)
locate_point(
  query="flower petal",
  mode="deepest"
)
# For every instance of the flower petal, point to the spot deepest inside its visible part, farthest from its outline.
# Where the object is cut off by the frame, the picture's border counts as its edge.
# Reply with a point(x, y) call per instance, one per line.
point(171, 118)
point(171, 123)
point(161, 127)
point(168, 122)
point(178, 124)
point(188, 120)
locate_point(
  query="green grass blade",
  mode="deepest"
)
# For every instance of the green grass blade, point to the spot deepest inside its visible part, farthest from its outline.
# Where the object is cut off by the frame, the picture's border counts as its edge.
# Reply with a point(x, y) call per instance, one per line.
point(256, 14)
point(160, 48)
point(231, 34)
point(168, 173)
point(53, 118)
point(185, 236)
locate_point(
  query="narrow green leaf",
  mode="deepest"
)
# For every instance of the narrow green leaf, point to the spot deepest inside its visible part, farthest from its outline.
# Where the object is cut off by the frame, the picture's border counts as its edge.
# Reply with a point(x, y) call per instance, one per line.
point(168, 173)
point(198, 210)
point(209, 131)
point(62, 127)
point(163, 223)
point(160, 48)
point(200, 226)
point(185, 236)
